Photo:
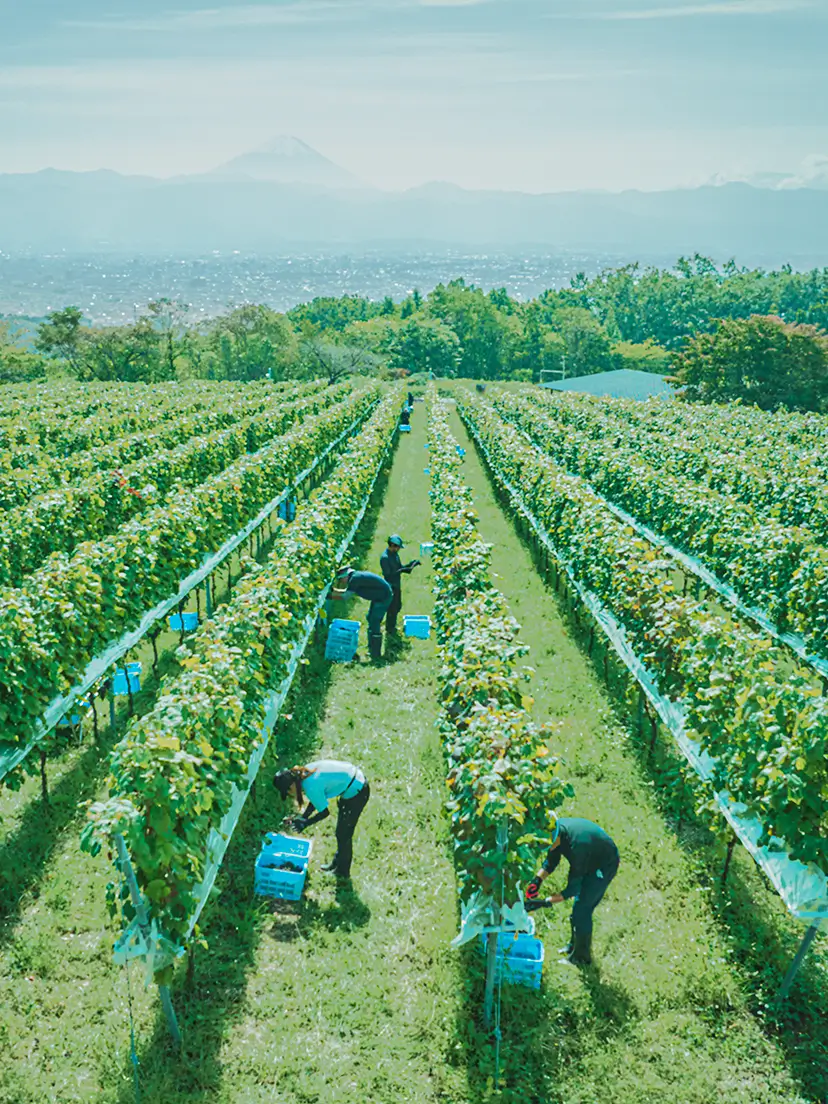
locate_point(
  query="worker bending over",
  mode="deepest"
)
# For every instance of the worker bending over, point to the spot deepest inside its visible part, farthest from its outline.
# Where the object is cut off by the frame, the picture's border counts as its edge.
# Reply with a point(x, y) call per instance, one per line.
point(320, 783)
point(593, 863)
point(372, 588)
point(392, 571)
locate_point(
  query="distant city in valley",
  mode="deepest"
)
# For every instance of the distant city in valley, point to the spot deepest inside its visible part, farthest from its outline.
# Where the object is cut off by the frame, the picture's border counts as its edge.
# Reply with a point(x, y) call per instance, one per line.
point(284, 224)
point(111, 289)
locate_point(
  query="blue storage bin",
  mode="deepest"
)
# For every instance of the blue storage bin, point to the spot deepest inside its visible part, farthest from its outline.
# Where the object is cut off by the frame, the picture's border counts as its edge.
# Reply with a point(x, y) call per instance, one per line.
point(268, 880)
point(461, 452)
point(341, 626)
point(343, 641)
point(119, 683)
point(519, 957)
point(190, 622)
point(419, 626)
point(427, 471)
point(287, 509)
point(426, 548)
point(405, 429)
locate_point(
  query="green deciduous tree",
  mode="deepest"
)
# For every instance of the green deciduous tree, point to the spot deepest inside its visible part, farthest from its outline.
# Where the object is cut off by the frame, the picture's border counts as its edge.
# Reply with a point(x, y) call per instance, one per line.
point(760, 360)
point(252, 342)
point(60, 337)
point(423, 344)
point(129, 353)
point(586, 343)
point(17, 365)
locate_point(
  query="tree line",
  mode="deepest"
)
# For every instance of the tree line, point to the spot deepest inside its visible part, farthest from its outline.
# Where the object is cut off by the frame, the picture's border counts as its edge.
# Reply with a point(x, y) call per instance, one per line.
point(645, 318)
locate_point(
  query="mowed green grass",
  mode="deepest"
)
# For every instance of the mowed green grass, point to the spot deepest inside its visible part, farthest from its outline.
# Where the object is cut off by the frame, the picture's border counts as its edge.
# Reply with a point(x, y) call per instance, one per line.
point(351, 993)
point(673, 1009)
point(354, 994)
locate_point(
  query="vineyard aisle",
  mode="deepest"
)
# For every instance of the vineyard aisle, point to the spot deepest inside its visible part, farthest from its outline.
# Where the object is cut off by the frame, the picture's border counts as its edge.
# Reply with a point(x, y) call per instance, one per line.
point(352, 995)
point(663, 1014)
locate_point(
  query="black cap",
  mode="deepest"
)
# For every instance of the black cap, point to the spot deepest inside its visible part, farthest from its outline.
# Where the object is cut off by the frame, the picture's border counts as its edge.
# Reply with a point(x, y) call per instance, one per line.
point(283, 781)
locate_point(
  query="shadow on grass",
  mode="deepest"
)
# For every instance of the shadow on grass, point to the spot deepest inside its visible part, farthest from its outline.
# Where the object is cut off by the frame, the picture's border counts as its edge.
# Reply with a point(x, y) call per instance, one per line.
point(208, 1004)
point(543, 1031)
point(764, 942)
point(347, 913)
point(762, 938)
point(26, 852)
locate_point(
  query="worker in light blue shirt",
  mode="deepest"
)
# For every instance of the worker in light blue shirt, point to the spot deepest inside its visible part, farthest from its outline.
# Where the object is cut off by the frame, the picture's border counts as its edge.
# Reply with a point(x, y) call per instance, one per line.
point(318, 784)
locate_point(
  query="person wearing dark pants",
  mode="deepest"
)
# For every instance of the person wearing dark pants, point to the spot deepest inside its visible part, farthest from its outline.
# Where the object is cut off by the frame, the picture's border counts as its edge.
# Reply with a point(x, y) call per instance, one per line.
point(593, 863)
point(320, 783)
point(392, 571)
point(372, 588)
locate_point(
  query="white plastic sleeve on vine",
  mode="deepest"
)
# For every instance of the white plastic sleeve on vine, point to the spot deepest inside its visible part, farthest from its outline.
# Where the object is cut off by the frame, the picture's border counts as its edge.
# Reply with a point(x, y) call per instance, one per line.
point(803, 888)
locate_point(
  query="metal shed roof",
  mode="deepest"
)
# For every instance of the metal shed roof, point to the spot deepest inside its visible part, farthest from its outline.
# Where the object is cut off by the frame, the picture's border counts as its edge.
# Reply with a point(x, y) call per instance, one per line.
point(623, 383)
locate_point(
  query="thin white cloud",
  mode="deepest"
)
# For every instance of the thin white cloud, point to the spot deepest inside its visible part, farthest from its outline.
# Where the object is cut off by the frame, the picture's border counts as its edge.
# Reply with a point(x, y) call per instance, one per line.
point(209, 19)
point(565, 77)
point(721, 7)
point(292, 13)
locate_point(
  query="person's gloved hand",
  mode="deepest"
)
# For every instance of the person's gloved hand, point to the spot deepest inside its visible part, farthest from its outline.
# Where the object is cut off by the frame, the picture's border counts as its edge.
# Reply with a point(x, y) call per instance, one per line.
point(299, 824)
point(532, 890)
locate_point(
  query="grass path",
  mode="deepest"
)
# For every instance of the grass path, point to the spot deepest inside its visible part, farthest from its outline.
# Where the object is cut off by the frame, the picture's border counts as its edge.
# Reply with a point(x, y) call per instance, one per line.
point(349, 994)
point(663, 1016)
point(353, 994)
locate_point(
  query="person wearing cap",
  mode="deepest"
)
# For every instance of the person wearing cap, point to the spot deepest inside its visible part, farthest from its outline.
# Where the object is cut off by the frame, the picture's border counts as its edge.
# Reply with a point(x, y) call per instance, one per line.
point(318, 784)
point(392, 571)
point(372, 588)
point(593, 863)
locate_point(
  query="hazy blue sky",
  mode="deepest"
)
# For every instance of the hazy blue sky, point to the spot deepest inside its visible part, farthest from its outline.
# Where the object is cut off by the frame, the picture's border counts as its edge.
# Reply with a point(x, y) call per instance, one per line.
point(532, 94)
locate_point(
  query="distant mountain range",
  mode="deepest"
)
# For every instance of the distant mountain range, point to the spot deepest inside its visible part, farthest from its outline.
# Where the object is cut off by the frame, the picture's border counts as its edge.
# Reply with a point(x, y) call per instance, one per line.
point(286, 196)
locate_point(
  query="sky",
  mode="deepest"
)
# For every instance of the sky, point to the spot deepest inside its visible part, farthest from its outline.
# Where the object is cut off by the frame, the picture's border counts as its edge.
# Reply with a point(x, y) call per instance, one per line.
point(535, 95)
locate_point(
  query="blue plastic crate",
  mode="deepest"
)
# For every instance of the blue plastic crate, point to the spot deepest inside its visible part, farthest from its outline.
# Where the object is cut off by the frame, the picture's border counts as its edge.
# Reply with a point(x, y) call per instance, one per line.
point(461, 452)
point(519, 957)
point(74, 719)
point(268, 880)
point(427, 471)
point(343, 631)
point(119, 682)
point(190, 622)
point(287, 509)
point(426, 548)
point(343, 640)
point(416, 625)
point(405, 429)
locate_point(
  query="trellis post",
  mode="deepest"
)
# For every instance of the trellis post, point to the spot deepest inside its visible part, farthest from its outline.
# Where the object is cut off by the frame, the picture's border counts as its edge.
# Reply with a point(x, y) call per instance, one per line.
point(143, 925)
point(491, 941)
point(799, 958)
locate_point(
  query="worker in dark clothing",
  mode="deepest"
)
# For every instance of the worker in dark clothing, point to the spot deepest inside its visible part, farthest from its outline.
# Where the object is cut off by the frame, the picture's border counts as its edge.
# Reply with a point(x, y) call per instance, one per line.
point(411, 399)
point(318, 784)
point(593, 863)
point(392, 571)
point(405, 417)
point(372, 588)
